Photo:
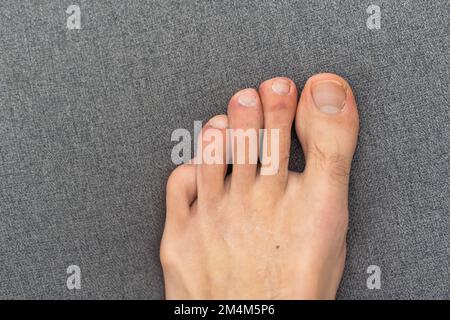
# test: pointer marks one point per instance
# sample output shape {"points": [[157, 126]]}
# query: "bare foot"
{"points": [[273, 236]]}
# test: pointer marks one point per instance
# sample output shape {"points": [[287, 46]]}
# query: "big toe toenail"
{"points": [[329, 96]]}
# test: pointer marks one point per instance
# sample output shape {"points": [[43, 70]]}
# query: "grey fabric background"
{"points": [[86, 117]]}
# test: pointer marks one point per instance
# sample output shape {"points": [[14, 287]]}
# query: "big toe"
{"points": [[327, 125]]}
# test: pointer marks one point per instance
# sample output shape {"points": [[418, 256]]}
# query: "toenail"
{"points": [[219, 123], [281, 86], [247, 98], [329, 96]]}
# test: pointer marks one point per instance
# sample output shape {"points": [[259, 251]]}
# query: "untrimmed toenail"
{"points": [[281, 86], [247, 98], [329, 96]]}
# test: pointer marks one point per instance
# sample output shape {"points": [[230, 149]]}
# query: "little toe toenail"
{"points": [[247, 98], [281, 86], [329, 96]]}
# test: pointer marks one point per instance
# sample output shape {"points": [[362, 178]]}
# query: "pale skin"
{"points": [[281, 236]]}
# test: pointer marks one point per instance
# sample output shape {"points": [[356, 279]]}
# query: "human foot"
{"points": [[276, 236]]}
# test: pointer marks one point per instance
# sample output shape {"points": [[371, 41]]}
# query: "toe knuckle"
{"points": [[339, 170], [335, 163], [167, 254], [165, 257], [176, 176]]}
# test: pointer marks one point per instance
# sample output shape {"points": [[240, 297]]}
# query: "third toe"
{"points": [[245, 121]]}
